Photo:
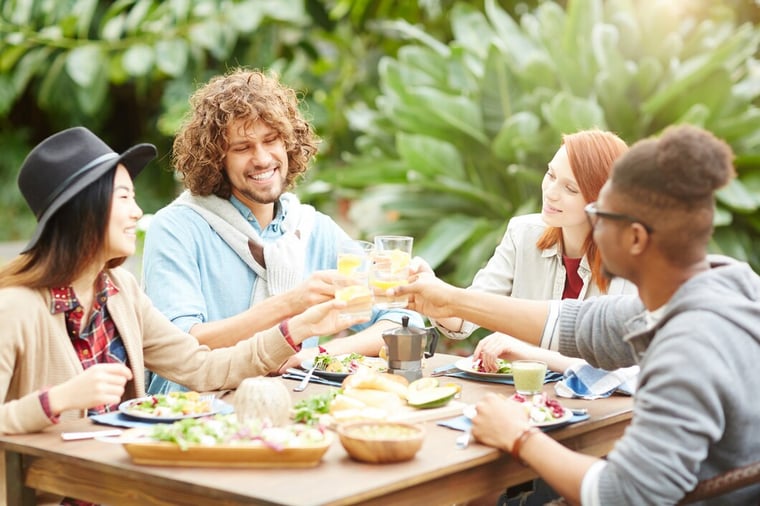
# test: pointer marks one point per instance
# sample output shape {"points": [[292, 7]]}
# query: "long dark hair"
{"points": [[73, 239]]}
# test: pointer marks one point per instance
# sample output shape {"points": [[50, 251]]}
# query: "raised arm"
{"points": [[316, 289], [523, 319]]}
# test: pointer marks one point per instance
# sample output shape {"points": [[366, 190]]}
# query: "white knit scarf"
{"points": [[284, 258]]}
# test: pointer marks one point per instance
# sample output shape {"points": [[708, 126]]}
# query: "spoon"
{"points": [[463, 440]]}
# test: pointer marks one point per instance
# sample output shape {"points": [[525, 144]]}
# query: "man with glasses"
{"points": [[593, 214], [694, 329]]}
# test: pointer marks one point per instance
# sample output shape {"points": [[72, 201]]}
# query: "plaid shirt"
{"points": [[99, 342]]}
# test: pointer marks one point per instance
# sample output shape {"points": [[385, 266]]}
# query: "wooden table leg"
{"points": [[15, 490]]}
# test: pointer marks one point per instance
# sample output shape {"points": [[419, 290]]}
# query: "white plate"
{"points": [[465, 365], [471, 412], [374, 362], [216, 407]]}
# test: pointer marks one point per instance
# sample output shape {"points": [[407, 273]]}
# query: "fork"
{"points": [[305, 381]]}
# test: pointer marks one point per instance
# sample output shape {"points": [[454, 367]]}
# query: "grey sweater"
{"points": [[696, 412]]}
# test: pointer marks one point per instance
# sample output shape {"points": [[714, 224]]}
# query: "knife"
{"points": [[75, 436], [444, 370], [295, 374]]}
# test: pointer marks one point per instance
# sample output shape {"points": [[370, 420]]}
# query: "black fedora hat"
{"points": [[64, 164]]}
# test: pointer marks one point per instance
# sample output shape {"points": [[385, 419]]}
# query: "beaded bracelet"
{"points": [[285, 331], [520, 441]]}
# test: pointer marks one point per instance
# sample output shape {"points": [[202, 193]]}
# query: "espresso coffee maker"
{"points": [[407, 346]]}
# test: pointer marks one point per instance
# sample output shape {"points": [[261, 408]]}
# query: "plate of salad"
{"points": [[475, 368], [224, 441], [172, 406], [543, 411], [337, 367]]}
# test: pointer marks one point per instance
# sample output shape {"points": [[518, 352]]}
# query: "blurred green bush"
{"points": [[438, 116]]}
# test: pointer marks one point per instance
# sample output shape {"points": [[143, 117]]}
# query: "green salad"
{"points": [[171, 405], [227, 430], [348, 363], [309, 410]]}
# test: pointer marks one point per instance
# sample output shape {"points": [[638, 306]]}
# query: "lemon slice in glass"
{"points": [[348, 263]]}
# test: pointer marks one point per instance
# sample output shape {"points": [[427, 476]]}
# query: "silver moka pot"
{"points": [[406, 348]]}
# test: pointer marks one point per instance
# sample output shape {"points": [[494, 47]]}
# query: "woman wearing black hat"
{"points": [[77, 330]]}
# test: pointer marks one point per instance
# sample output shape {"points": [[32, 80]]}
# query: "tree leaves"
{"points": [[504, 92], [84, 63]]}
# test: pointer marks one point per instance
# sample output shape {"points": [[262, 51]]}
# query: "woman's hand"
{"points": [[317, 288], [428, 295], [98, 385], [418, 265], [497, 345], [322, 319], [295, 361], [510, 348]]}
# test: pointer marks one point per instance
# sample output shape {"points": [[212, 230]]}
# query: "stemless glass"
{"points": [[528, 376], [390, 268], [354, 259]]}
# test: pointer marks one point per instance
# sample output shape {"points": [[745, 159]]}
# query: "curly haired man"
{"points": [[236, 252]]}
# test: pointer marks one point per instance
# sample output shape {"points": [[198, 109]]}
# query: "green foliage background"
{"points": [[438, 117], [461, 132]]}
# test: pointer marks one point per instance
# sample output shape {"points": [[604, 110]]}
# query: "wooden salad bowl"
{"points": [[380, 442]]}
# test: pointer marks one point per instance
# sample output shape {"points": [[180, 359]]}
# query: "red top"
{"points": [[573, 282]]}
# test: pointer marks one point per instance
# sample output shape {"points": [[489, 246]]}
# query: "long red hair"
{"points": [[591, 154]]}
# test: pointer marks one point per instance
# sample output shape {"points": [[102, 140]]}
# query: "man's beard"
{"points": [[265, 196]]}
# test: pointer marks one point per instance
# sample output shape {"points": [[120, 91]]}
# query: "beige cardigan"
{"points": [[35, 351]]}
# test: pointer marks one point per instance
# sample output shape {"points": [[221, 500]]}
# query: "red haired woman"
{"points": [[550, 255]]}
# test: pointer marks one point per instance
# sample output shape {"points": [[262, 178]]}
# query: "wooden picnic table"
{"points": [[439, 474]]}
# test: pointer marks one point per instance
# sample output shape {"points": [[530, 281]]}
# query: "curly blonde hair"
{"points": [[201, 144]]}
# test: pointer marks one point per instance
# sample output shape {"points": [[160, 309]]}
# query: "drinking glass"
{"points": [[354, 259], [528, 376], [390, 268]]}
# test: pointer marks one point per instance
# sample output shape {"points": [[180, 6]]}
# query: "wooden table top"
{"points": [[440, 473]]}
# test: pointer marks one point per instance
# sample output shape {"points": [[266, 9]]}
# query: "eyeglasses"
{"points": [[593, 214]]}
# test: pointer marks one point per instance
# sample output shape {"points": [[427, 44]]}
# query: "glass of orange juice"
{"points": [[390, 268], [354, 260]]}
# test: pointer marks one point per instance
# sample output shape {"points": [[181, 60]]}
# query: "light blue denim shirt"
{"points": [[193, 276]]}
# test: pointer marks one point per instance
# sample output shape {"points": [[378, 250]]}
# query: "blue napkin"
{"points": [[587, 382], [551, 376], [119, 419], [463, 423]]}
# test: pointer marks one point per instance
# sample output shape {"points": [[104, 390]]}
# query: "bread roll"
{"points": [[343, 402], [373, 380], [388, 401]]}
